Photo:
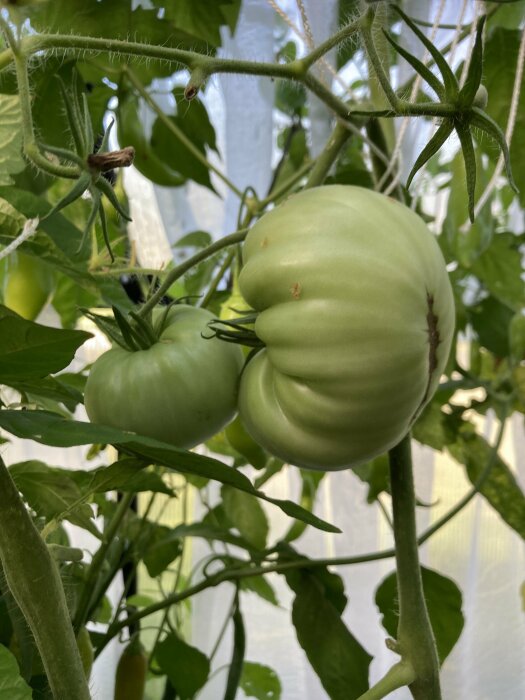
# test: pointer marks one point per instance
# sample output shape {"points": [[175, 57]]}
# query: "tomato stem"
{"points": [[415, 638], [34, 581], [328, 156], [89, 588], [399, 675], [178, 271]]}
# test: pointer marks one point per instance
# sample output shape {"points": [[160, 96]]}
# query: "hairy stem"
{"points": [[97, 562], [328, 156], [34, 581], [399, 675], [415, 638], [178, 271]]}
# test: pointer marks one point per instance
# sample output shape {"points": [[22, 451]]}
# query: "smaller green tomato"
{"points": [[131, 674], [244, 444], [181, 390], [28, 285]]}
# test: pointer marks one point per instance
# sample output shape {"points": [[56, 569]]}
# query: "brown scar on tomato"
{"points": [[433, 342], [295, 289], [264, 242]]}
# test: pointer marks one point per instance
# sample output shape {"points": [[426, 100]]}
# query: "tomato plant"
{"points": [[350, 358], [349, 212]]}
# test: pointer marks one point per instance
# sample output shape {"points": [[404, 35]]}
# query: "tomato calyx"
{"points": [[132, 331], [238, 331]]}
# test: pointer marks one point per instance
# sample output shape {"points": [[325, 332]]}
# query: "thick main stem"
{"points": [[34, 581], [415, 639]]}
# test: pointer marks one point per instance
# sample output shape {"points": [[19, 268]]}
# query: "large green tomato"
{"points": [[357, 315], [181, 390], [28, 285]]}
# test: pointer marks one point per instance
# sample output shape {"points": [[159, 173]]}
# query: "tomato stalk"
{"points": [[415, 638], [178, 271], [89, 588], [328, 156], [33, 578]]}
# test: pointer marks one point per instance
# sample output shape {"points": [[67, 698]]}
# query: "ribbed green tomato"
{"points": [[357, 315], [181, 390], [28, 284]]}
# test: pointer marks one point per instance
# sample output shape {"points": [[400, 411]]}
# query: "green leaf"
{"points": [[114, 20], [377, 475], [31, 351], [11, 160], [310, 484], [186, 667], [466, 247], [434, 427], [260, 682], [443, 599], [499, 268], [260, 586], [211, 532], [333, 652], [12, 685], [128, 475], [202, 19], [246, 515], [49, 388], [11, 220], [52, 493], [175, 154], [350, 168], [500, 59], [52, 429], [163, 548], [491, 319], [500, 488]]}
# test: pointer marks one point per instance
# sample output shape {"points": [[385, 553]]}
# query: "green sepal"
{"points": [[105, 232], [481, 120], [449, 79], [105, 138], [91, 218], [88, 126], [133, 341], [145, 326], [78, 189], [239, 333], [432, 147], [160, 323], [104, 186], [418, 66], [469, 156], [475, 70], [108, 326], [63, 153], [74, 118]]}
